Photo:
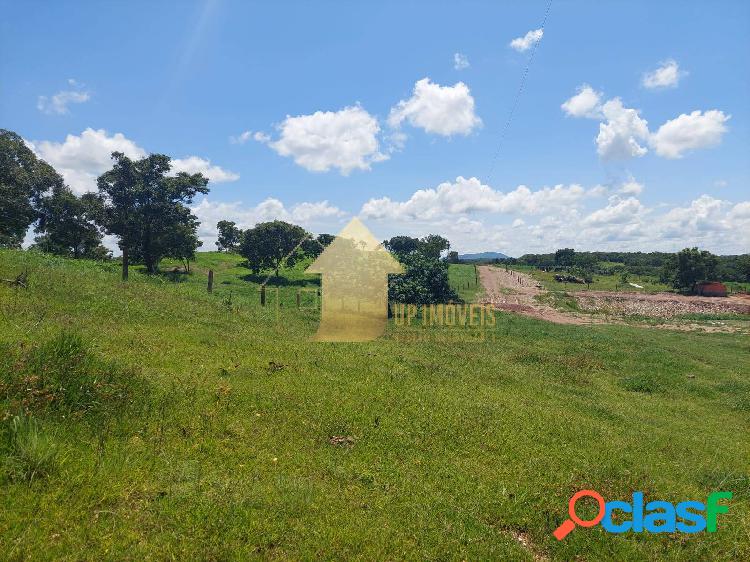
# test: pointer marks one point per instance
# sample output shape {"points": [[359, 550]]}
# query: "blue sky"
{"points": [[406, 138]]}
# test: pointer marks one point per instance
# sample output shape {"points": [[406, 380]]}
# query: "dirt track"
{"points": [[515, 292]]}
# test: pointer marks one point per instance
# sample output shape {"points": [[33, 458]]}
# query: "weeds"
{"points": [[31, 453]]}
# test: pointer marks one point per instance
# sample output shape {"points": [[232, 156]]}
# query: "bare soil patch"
{"points": [[519, 293]]}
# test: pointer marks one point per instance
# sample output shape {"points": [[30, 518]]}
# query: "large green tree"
{"points": [[23, 180], [144, 206], [689, 267], [269, 245], [66, 226], [425, 281]]}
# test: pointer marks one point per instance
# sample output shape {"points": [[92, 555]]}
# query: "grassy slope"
{"points": [[457, 446], [463, 279]]}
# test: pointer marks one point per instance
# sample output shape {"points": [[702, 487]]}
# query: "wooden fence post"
{"points": [[297, 298], [262, 295], [210, 280]]}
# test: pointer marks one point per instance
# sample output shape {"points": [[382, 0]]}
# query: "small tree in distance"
{"points": [[270, 245], [229, 236]]}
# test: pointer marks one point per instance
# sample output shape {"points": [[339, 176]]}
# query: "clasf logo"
{"points": [[654, 517]]}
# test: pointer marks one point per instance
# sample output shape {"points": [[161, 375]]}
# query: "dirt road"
{"points": [[516, 292]]}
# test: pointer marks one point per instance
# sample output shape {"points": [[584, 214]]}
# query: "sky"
{"points": [[505, 126]]}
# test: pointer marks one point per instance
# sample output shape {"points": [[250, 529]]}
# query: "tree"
{"points": [[313, 247], [565, 257], [23, 180], [433, 245], [229, 236], [182, 242], [66, 226], [269, 245], [143, 206], [688, 267], [425, 281], [401, 245]]}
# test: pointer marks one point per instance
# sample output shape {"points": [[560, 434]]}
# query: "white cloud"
{"points": [[442, 110], [586, 103], [471, 196], [59, 102], [524, 43], [460, 61], [666, 76], [82, 158], [345, 139], [689, 132], [197, 165], [321, 216], [620, 134], [617, 211], [242, 138], [631, 187], [262, 137]]}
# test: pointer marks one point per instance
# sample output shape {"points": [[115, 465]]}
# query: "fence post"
{"points": [[210, 280], [297, 298], [262, 295]]}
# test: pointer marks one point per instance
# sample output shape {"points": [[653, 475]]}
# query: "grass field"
{"points": [[462, 277], [599, 283], [168, 423]]}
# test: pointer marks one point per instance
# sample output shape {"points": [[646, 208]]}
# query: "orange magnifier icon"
{"points": [[569, 524]]}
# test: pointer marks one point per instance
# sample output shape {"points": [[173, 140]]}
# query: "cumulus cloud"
{"points": [[198, 165], [689, 132], [586, 103], [620, 134], [666, 76], [472, 196], [320, 214], [442, 110], [524, 43], [631, 187], [460, 61], [618, 211], [82, 158], [59, 102], [346, 139]]}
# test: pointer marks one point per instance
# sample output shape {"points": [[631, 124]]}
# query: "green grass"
{"points": [[453, 450], [462, 278], [599, 283]]}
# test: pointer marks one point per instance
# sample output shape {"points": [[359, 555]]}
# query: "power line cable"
{"points": [[521, 87]]}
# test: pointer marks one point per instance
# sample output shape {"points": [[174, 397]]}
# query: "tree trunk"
{"points": [[124, 263]]}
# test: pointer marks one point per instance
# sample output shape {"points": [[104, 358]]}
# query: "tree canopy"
{"points": [[146, 208], [229, 236], [269, 245], [66, 225], [689, 267], [24, 178]]}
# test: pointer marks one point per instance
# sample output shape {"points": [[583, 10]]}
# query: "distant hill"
{"points": [[483, 256]]}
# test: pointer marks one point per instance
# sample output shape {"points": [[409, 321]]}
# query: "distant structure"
{"points": [[711, 289]]}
